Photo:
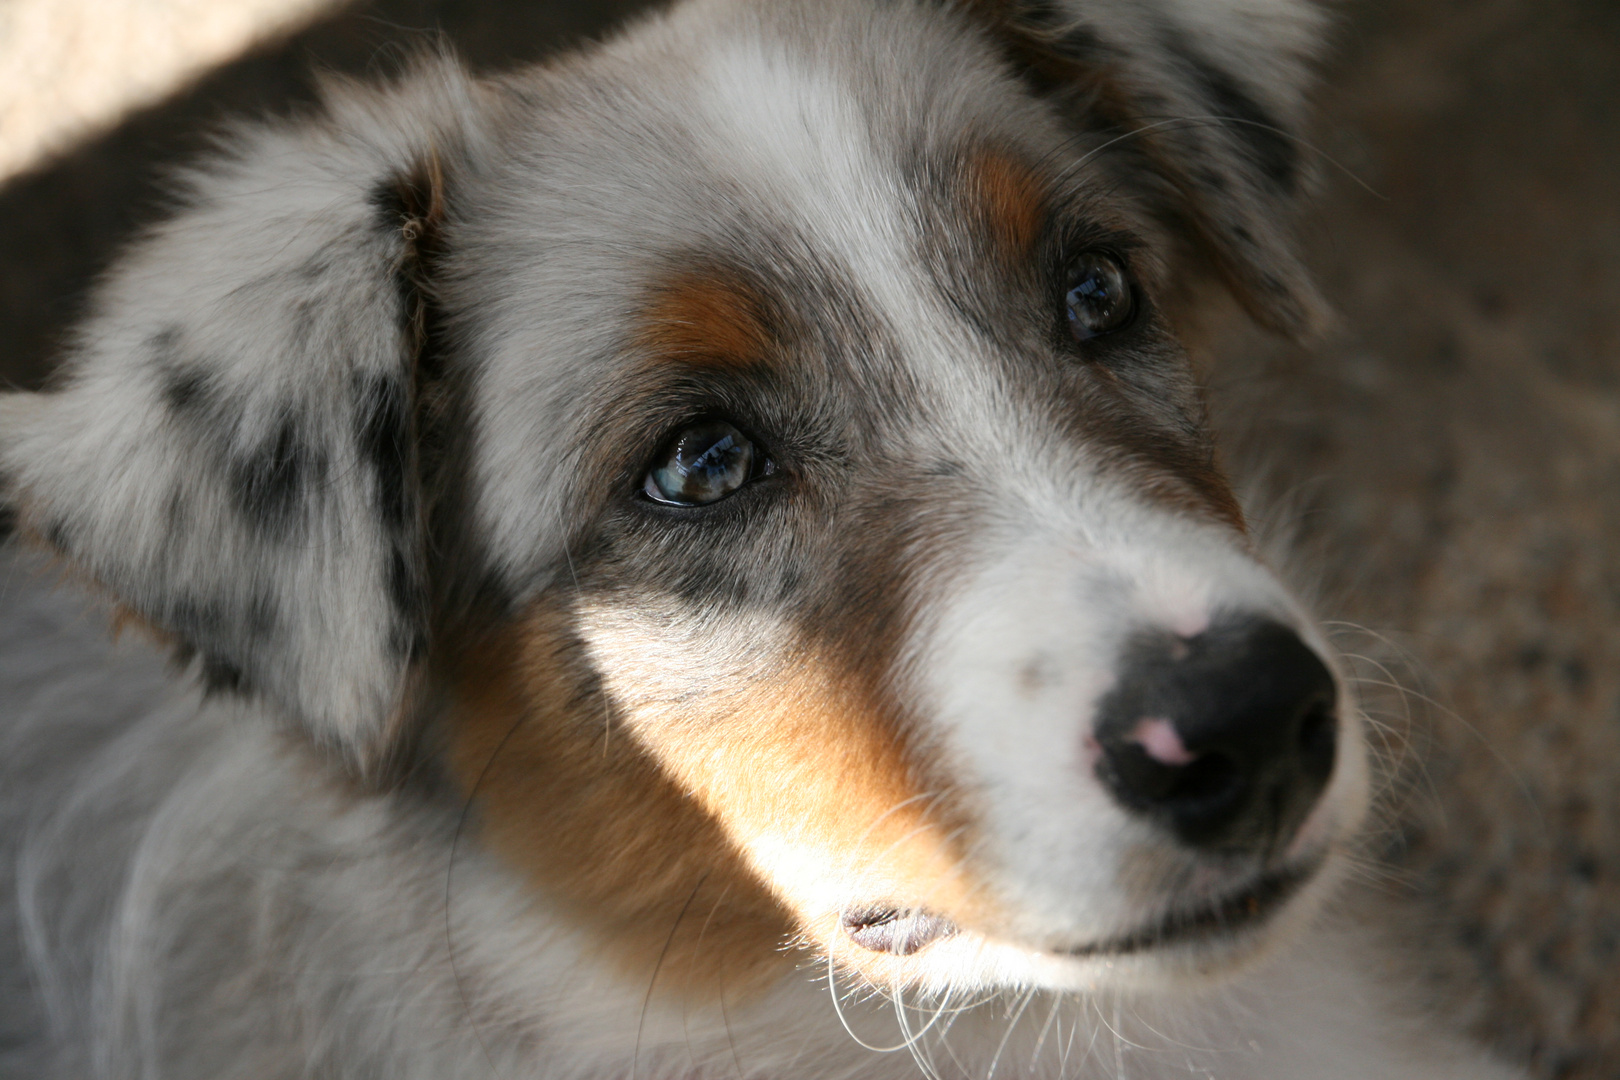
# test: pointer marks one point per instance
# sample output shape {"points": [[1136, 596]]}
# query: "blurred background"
{"points": [[1446, 463]]}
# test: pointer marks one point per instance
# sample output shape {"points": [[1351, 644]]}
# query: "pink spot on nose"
{"points": [[1189, 624], [1159, 739]]}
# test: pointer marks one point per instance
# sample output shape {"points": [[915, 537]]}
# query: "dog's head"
{"points": [[755, 459]]}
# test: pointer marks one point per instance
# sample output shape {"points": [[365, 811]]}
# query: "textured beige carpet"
{"points": [[1449, 460], [1452, 464]]}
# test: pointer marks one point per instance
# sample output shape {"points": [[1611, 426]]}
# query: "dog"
{"points": [[701, 558]]}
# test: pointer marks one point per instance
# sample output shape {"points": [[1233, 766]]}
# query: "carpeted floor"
{"points": [[1447, 461], [1450, 460]]}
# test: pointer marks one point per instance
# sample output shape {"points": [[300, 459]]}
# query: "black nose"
{"points": [[1226, 738]]}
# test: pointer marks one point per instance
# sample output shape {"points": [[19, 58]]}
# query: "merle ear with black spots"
{"points": [[233, 453], [1212, 95]]}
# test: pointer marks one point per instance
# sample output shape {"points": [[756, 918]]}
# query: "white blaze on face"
{"points": [[1012, 657]]}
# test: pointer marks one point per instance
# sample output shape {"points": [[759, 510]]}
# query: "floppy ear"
{"points": [[233, 452], [1213, 93]]}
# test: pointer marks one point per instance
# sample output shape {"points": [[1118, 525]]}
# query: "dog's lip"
{"points": [[893, 930], [905, 931], [1242, 908]]}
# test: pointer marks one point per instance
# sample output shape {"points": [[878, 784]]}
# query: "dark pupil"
{"points": [[1099, 300], [708, 462]]}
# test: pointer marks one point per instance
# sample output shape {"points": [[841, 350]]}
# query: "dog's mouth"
{"points": [[905, 931], [1241, 910], [899, 932]]}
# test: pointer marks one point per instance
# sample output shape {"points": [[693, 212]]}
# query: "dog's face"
{"points": [[817, 537]]}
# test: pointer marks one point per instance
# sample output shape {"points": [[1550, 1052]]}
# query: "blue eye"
{"points": [[704, 464], [1099, 295]]}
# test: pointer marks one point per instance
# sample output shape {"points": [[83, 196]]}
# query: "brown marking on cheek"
{"points": [[833, 801], [1178, 480], [1217, 491], [570, 799], [1188, 483], [706, 317], [1193, 481], [801, 765], [700, 837], [1010, 197]]}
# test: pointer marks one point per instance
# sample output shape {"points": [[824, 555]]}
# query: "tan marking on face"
{"points": [[705, 317], [761, 811], [833, 802], [1011, 197], [819, 786], [1199, 491], [592, 819], [1101, 81]]}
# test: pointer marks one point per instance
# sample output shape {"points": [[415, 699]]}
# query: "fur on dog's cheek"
{"points": [[700, 825], [584, 811], [817, 779]]}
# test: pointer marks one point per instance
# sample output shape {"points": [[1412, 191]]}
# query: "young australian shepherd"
{"points": [[701, 559]]}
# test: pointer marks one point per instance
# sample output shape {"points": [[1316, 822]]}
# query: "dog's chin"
{"points": [[1188, 943]]}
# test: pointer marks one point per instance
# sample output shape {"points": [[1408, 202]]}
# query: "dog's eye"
{"points": [[704, 464], [1099, 295]]}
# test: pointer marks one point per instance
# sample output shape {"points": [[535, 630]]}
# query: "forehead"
{"points": [[827, 142], [829, 133], [742, 174]]}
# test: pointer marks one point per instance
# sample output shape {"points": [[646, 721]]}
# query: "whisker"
{"points": [[1040, 1040], [838, 1007], [691, 972], [1451, 714], [1215, 120], [646, 1001], [1018, 1014], [449, 893], [914, 1039], [929, 796]]}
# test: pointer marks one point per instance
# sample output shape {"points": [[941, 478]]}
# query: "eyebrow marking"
{"points": [[1010, 196], [706, 317]]}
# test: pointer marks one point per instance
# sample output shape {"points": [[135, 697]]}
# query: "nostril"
{"points": [[1142, 781], [1213, 780], [1318, 741], [1204, 782]]}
